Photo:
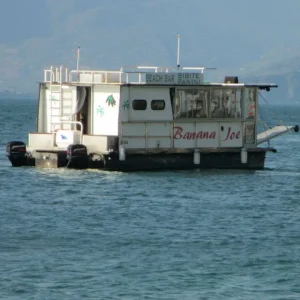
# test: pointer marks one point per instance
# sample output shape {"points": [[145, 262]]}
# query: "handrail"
{"points": [[56, 74], [104, 73], [127, 74], [133, 68], [70, 122]]}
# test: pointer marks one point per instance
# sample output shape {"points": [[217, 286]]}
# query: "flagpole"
{"points": [[78, 59]]}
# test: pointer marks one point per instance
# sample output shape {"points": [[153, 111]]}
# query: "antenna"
{"points": [[178, 50], [78, 59]]}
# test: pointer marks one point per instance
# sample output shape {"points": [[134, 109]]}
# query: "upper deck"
{"points": [[126, 75], [140, 75]]}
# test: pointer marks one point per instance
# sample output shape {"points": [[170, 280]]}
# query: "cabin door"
{"points": [[83, 105]]}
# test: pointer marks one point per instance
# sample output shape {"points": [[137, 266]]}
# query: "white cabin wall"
{"points": [[207, 134], [149, 94], [124, 104], [52, 112], [105, 115], [148, 129], [90, 122], [42, 109], [145, 129]]}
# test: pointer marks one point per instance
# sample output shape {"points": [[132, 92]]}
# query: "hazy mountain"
{"points": [[252, 38]]}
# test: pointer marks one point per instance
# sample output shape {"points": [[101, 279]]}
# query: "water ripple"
{"points": [[209, 234]]}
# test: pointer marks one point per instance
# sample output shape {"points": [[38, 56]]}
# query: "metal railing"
{"points": [[127, 74], [56, 75]]}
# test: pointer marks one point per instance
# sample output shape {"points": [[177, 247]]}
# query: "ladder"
{"points": [[61, 103]]}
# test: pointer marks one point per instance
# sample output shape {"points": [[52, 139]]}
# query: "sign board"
{"points": [[180, 78]]}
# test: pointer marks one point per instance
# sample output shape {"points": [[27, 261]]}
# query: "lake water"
{"points": [[68, 234]]}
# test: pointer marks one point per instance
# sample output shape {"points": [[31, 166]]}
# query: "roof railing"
{"points": [[127, 74]]}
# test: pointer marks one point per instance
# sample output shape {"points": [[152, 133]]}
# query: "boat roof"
{"points": [[262, 86], [145, 76]]}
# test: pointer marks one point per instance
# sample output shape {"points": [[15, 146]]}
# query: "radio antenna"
{"points": [[77, 61], [178, 50]]}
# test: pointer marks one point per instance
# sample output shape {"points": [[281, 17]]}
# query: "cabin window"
{"points": [[249, 100], [216, 106], [192, 103], [139, 104], [226, 103], [158, 104]]}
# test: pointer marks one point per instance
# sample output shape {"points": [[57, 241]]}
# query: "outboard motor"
{"points": [[16, 153], [77, 156]]}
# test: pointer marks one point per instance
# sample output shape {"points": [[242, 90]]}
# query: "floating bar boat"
{"points": [[145, 118]]}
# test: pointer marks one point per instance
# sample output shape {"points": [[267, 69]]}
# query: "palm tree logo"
{"points": [[100, 111], [110, 100], [125, 104]]}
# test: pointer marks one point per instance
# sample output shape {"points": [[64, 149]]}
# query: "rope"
{"points": [[266, 126], [102, 157], [275, 115]]}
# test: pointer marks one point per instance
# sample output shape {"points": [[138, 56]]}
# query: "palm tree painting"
{"points": [[100, 111], [125, 104], [110, 100]]}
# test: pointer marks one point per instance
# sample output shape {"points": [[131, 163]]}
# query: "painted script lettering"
{"points": [[193, 135], [232, 135]]}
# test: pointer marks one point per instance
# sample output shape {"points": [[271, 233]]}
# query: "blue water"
{"points": [[68, 234]]}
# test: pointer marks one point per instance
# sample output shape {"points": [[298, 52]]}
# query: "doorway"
{"points": [[83, 106]]}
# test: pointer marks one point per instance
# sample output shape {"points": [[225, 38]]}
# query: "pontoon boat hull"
{"points": [[146, 162]]}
